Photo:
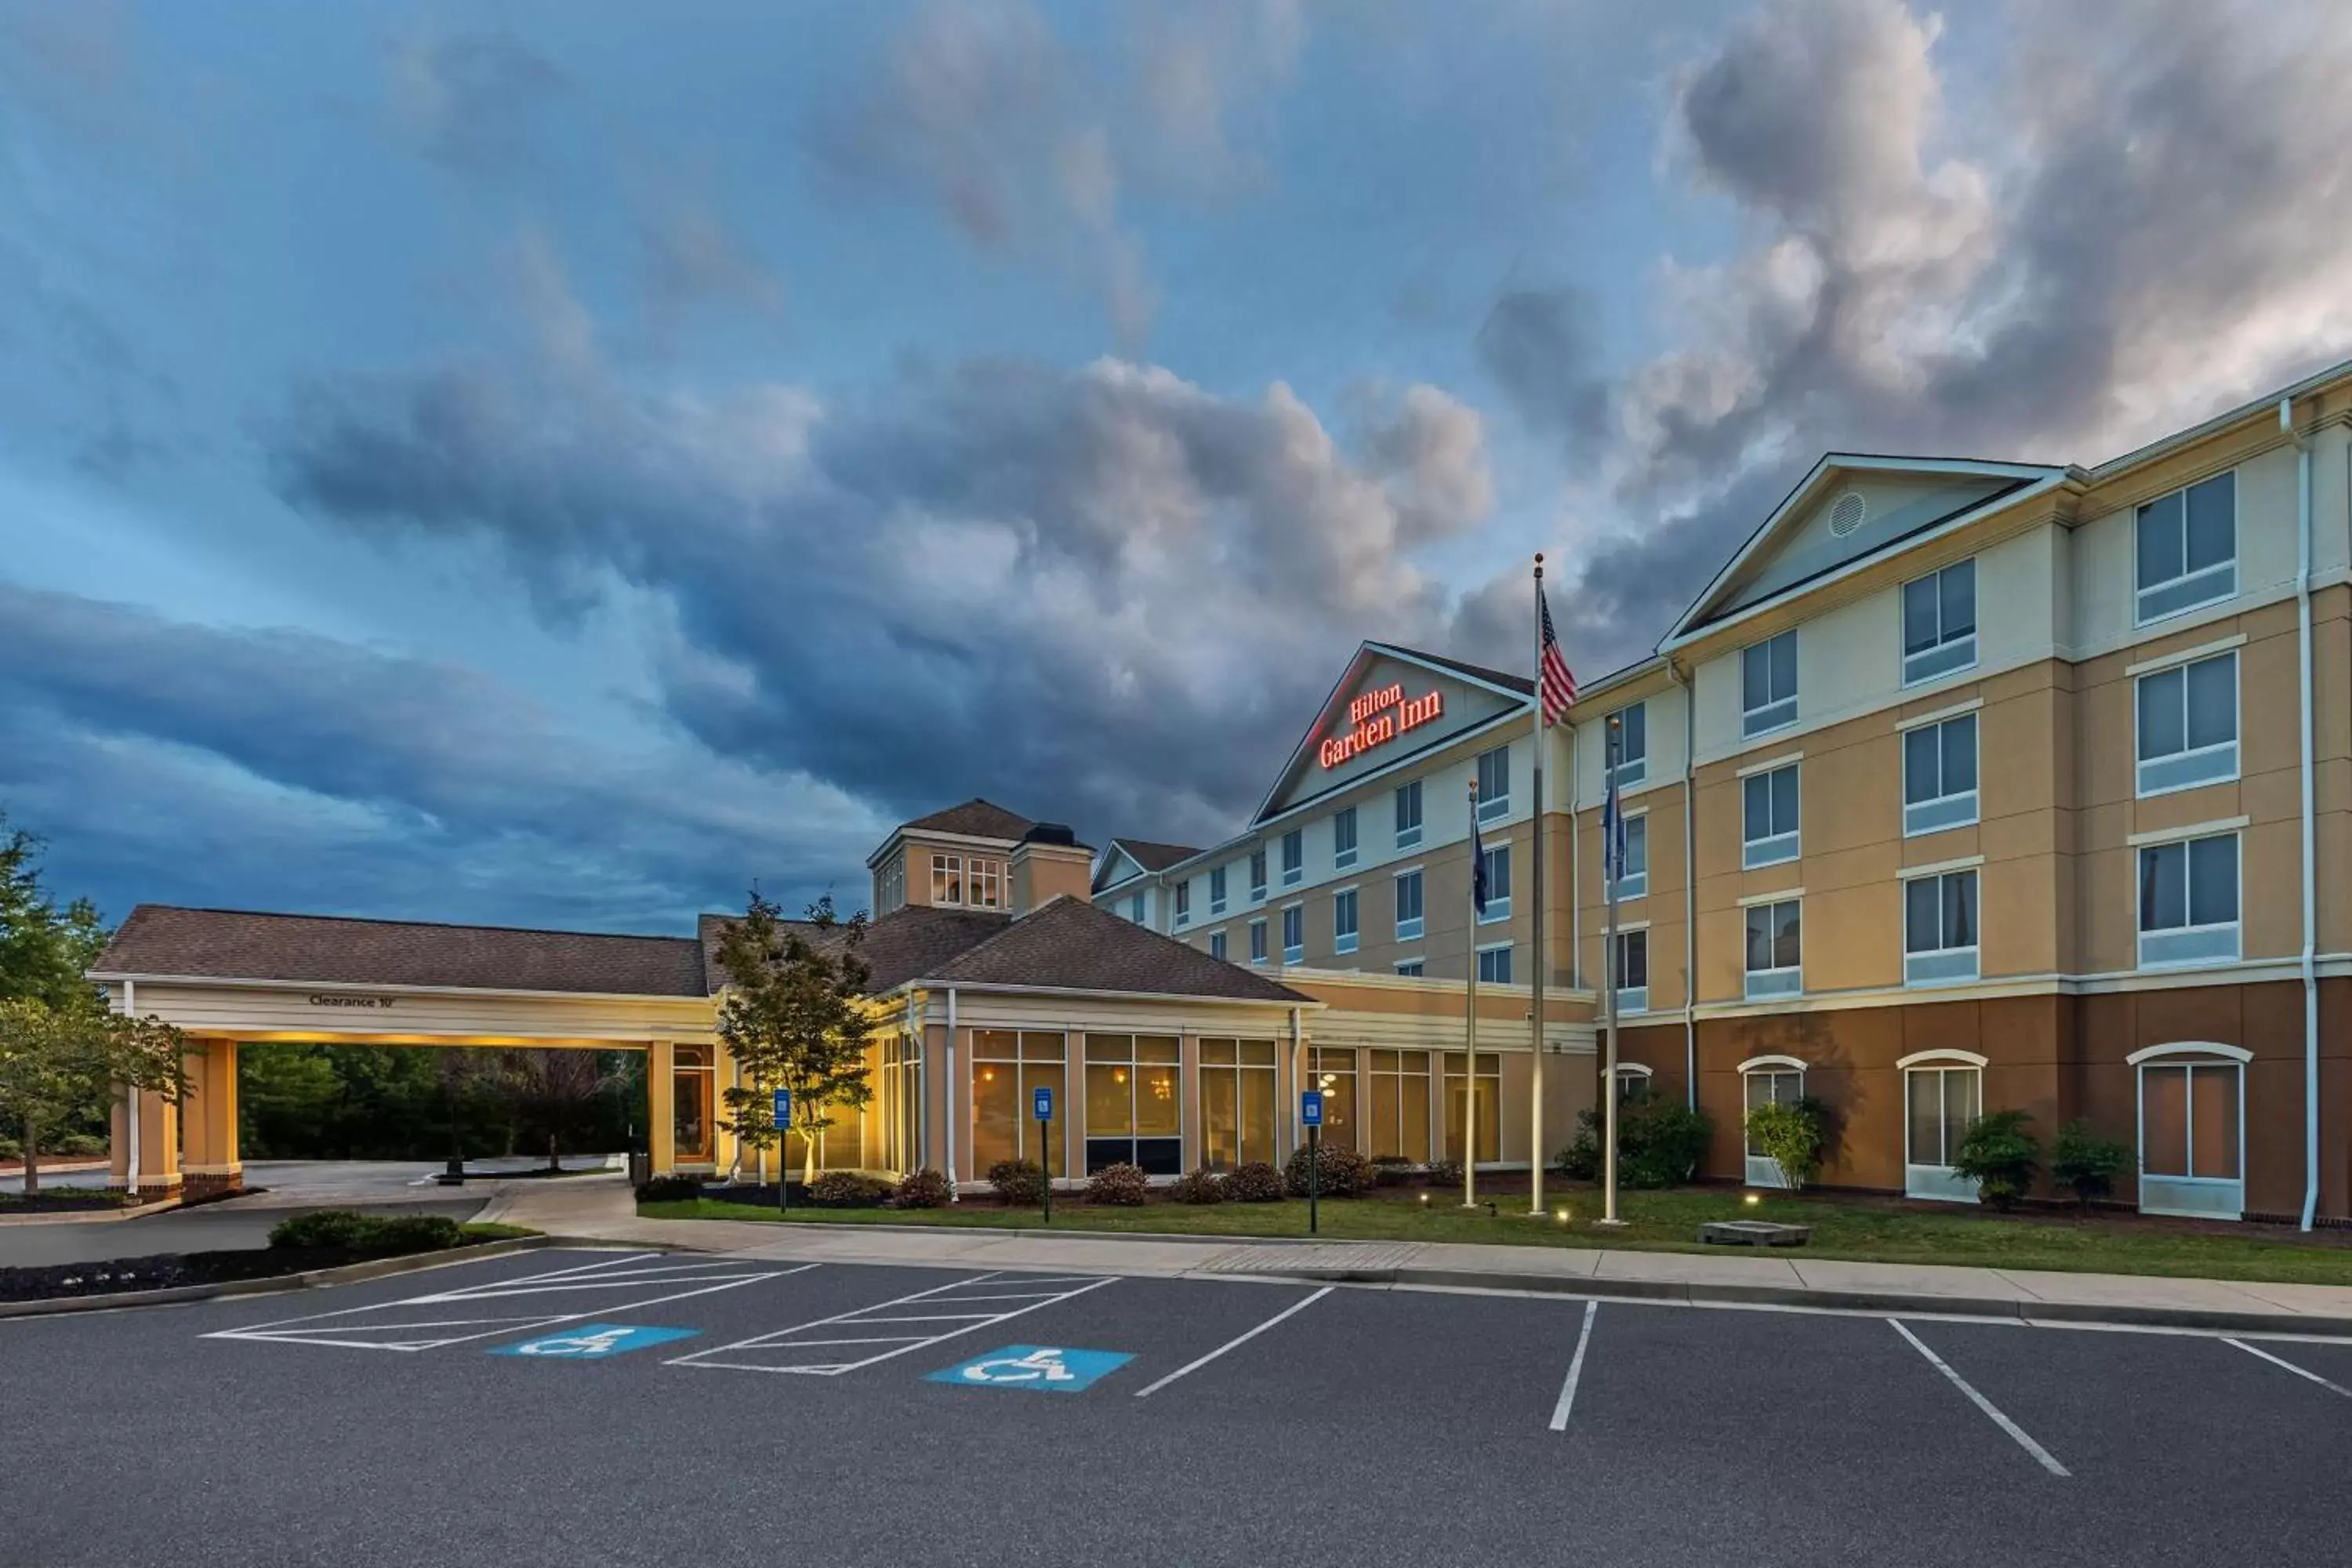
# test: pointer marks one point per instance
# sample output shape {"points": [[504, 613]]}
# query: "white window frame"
{"points": [[1940, 965], [1184, 916], [2192, 767], [1408, 834], [1258, 934], [1779, 980], [2193, 1196], [2189, 946], [1957, 808], [1777, 712], [1630, 769], [1949, 654], [1486, 949], [1409, 930], [1294, 857], [1498, 910], [1217, 945], [1294, 951], [1411, 968], [1920, 1179], [1257, 875], [1631, 999], [1349, 901], [1630, 1073], [2223, 574], [1135, 908], [1497, 806], [1762, 1170], [946, 868], [1343, 856], [1773, 848], [1632, 883], [1217, 881]]}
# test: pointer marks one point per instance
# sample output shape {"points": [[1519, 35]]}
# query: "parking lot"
{"points": [[576, 1406]]}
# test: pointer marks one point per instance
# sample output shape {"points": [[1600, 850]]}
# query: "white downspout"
{"points": [[130, 1097], [1297, 1079], [2310, 847], [1690, 893], [955, 1192]]}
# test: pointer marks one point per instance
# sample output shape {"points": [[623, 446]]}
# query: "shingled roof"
{"points": [[1069, 945], [1154, 857], [905, 944], [1503, 678], [238, 945], [975, 819]]}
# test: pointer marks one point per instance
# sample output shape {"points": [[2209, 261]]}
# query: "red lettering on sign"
{"points": [[1379, 717]]}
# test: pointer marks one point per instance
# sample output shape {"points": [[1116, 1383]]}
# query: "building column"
{"points": [[159, 1142], [726, 1149], [661, 1107], [208, 1116]]}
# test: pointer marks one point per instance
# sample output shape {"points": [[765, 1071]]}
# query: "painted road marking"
{"points": [[412, 1324], [1039, 1369], [810, 1348], [594, 1341], [1981, 1403], [1575, 1369], [1295, 1307], [2299, 1372]]}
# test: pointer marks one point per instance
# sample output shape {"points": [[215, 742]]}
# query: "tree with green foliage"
{"points": [[795, 1015], [45, 952], [57, 1063], [1791, 1135], [555, 1089], [2000, 1155]]}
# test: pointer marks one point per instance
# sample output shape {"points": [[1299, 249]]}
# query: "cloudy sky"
{"points": [[559, 463]]}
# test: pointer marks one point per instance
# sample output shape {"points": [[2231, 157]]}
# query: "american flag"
{"points": [[1558, 685]]}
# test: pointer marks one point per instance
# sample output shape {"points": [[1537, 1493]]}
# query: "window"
{"points": [[1007, 1068], [1939, 928], [1183, 904], [1633, 1083], [1334, 1072], [1216, 945], [2191, 1132], [1257, 941], [1939, 622], [1494, 965], [1767, 1081], [1633, 745], [1217, 891], [1408, 900], [1494, 785], [1768, 685], [1940, 1103], [2189, 725], [984, 884], [693, 1084], [1408, 967], [1343, 920], [1769, 803], [900, 1103], [1408, 814], [1343, 838], [1257, 874], [1237, 1101], [1396, 1104], [1498, 884], [1294, 857], [1776, 949], [1939, 775], [2188, 547], [1487, 1114], [947, 878], [1632, 972], [2188, 900], [1633, 876], [1135, 1115], [1294, 934], [1135, 908]]}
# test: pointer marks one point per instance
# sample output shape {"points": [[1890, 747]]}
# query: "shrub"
{"points": [[1255, 1182], [1391, 1170], [2000, 1157], [924, 1189], [1200, 1186], [1790, 1134], [673, 1188], [1442, 1172], [78, 1146], [1018, 1182], [848, 1190], [1125, 1186], [1344, 1172], [410, 1233], [2087, 1164], [1660, 1144], [324, 1228], [1581, 1161]]}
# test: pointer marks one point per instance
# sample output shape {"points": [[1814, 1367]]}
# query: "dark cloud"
{"points": [[1542, 348], [465, 99], [175, 761]]}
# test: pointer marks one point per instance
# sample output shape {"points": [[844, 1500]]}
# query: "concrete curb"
{"points": [[344, 1274], [93, 1216]]}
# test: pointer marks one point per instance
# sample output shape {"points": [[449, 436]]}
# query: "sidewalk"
{"points": [[600, 1210]]}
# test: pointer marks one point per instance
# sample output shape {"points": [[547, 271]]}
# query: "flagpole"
{"points": [[1470, 1024], [1540, 956], [1612, 868]]}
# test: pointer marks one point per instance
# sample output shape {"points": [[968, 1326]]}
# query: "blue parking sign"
{"points": [[1310, 1108], [783, 1108], [1045, 1105]]}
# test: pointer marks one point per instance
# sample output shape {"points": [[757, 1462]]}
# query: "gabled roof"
{"points": [[161, 940], [903, 945], [1501, 679], [975, 819], [1141, 857], [1069, 945]]}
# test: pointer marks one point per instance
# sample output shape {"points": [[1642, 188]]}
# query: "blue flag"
{"points": [[1477, 863]]}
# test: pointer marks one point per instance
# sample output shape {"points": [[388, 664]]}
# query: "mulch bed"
{"points": [[167, 1270], [64, 1200]]}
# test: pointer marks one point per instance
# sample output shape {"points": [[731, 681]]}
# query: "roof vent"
{"points": [[1049, 833], [1847, 513]]}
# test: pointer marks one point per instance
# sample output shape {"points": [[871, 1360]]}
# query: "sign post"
{"points": [[1310, 1116], [1044, 1106], [783, 1119]]}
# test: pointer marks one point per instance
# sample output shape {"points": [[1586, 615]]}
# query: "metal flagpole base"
{"points": [[1613, 1224]]}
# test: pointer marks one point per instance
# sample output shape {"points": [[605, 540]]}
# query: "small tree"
{"points": [[2000, 1157], [1789, 1134], [794, 1016], [2087, 1163], [57, 1063], [555, 1088]]}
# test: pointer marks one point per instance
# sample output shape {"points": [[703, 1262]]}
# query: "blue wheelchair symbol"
{"points": [[594, 1341], [1040, 1369]]}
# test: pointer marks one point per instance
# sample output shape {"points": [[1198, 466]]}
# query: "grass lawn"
{"points": [[1868, 1229]]}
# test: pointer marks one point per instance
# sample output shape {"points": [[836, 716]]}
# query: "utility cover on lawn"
{"points": [[1754, 1233]]}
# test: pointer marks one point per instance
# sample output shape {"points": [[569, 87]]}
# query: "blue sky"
{"points": [[560, 463]]}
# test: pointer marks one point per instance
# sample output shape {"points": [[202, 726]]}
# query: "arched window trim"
{"points": [[1944, 1057], [1633, 1069], [2208, 1048], [1773, 1064]]}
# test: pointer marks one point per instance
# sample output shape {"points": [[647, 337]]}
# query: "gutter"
{"points": [[1690, 893]]}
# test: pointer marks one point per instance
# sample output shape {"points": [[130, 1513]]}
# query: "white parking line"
{"points": [[1296, 1307], [784, 1342], [2299, 1372], [1981, 1403], [1575, 1369]]}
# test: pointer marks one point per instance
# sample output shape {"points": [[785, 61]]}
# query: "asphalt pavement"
{"points": [[734, 1409]]}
